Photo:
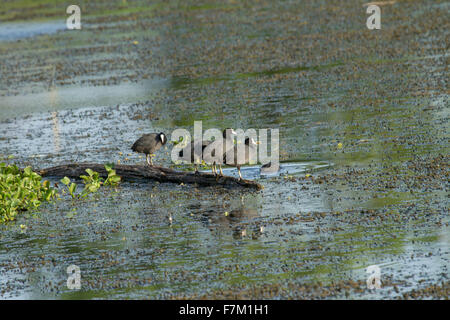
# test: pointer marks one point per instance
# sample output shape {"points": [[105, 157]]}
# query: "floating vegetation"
{"points": [[21, 190], [92, 182]]}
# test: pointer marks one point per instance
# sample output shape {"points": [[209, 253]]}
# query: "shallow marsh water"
{"points": [[381, 199]]}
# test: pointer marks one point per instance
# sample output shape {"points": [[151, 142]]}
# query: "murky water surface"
{"points": [[13, 31], [363, 144]]}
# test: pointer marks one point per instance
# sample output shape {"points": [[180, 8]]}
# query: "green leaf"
{"points": [[48, 195], [72, 189], [65, 181], [93, 188], [27, 171], [115, 179], [46, 184]]}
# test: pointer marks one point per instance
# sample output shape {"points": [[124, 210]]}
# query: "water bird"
{"points": [[250, 146], [149, 144], [227, 135], [270, 168], [227, 144]]}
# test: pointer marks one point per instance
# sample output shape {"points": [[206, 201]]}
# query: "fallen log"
{"points": [[139, 172]]}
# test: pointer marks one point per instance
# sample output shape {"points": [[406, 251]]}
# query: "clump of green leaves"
{"points": [[175, 142], [72, 186], [92, 182], [113, 179], [21, 190]]}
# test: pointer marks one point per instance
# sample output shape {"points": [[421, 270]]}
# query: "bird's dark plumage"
{"points": [[149, 143], [205, 143]]}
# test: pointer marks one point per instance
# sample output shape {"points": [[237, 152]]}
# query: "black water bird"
{"points": [[227, 135], [149, 144], [270, 168]]}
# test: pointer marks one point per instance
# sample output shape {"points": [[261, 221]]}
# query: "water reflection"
{"points": [[56, 132], [54, 103], [73, 97], [240, 218], [12, 31]]}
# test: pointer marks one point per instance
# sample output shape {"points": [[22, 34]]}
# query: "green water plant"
{"points": [[113, 179], [175, 142], [21, 190], [92, 182], [72, 187]]}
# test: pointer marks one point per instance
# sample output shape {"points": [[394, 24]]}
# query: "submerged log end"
{"points": [[161, 174]]}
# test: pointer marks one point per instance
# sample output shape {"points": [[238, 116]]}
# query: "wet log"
{"points": [[139, 172]]}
